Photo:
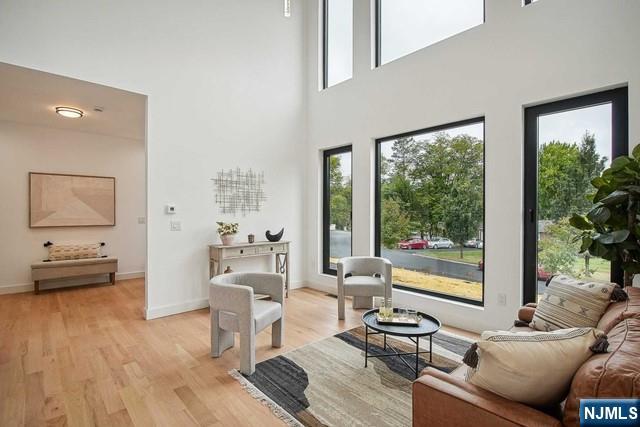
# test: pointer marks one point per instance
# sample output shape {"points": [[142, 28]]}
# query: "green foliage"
{"points": [[339, 195], [437, 185], [558, 248], [565, 172], [611, 228], [395, 223]]}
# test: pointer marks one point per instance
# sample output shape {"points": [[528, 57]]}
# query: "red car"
{"points": [[413, 244], [543, 275]]}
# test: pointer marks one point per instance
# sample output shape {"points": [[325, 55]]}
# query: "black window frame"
{"points": [[378, 31], [618, 98], [326, 206], [378, 201]]}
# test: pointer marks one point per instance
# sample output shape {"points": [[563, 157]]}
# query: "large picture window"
{"points": [[337, 42], [336, 223], [405, 26], [567, 144], [430, 209]]}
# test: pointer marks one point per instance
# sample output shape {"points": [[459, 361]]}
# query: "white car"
{"points": [[474, 243], [440, 243]]}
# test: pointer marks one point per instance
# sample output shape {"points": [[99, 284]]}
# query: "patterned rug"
{"points": [[326, 383]]}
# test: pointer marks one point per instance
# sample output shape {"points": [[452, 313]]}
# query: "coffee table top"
{"points": [[429, 325]]}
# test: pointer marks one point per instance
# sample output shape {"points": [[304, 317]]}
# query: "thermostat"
{"points": [[170, 209]]}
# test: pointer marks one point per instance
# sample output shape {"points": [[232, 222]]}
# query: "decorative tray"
{"points": [[397, 321]]}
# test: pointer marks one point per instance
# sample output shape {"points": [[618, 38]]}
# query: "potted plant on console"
{"points": [[227, 231], [611, 229]]}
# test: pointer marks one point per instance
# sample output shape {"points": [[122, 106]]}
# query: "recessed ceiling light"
{"points": [[72, 113]]}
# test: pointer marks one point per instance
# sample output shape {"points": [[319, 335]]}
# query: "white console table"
{"points": [[218, 254]]}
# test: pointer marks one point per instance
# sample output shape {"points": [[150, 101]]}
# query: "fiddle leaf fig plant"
{"points": [[611, 229]]}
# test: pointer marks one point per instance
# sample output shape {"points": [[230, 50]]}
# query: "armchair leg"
{"points": [[247, 347], [220, 338], [277, 333], [362, 302], [340, 307]]}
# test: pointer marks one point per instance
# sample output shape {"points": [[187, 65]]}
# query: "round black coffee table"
{"points": [[428, 326]]}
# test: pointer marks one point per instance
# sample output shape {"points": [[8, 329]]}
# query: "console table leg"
{"points": [[36, 287], [286, 281]]}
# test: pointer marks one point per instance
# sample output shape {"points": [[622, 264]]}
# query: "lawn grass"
{"points": [[470, 255], [444, 285]]}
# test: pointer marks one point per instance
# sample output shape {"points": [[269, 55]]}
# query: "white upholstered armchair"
{"points": [[368, 277], [234, 309]]}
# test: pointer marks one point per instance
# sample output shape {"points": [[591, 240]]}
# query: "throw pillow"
{"points": [[535, 368], [571, 303], [77, 251]]}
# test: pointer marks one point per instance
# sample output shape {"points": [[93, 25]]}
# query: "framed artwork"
{"points": [[60, 200]]}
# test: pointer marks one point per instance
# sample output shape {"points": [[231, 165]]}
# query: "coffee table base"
{"points": [[395, 352]]}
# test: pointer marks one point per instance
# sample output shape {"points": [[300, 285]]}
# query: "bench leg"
{"points": [[112, 278], [36, 287]]}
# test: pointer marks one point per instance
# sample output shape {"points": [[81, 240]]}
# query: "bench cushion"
{"points": [[73, 262]]}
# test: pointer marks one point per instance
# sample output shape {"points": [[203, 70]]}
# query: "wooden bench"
{"points": [[45, 270]]}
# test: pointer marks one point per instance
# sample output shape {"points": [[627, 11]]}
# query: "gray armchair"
{"points": [[368, 277], [234, 309]]}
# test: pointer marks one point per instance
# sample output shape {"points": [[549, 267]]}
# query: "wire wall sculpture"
{"points": [[239, 192]]}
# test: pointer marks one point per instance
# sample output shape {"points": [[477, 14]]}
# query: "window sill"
{"points": [[440, 299]]}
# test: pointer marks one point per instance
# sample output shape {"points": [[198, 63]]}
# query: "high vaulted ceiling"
{"points": [[28, 96]]}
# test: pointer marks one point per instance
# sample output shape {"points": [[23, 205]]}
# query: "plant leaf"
{"points": [[599, 214], [598, 182], [613, 237], [617, 196], [619, 163], [580, 222], [586, 242], [636, 152]]}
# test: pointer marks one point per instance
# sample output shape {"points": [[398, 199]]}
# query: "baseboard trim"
{"points": [[171, 309], [28, 287]]}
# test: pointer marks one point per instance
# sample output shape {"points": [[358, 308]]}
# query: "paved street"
{"points": [[341, 244]]}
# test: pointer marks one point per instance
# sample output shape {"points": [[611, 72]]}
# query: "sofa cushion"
{"points": [[571, 303], [615, 374], [618, 311], [535, 368], [364, 285]]}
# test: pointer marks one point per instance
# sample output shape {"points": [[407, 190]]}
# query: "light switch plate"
{"points": [[502, 299], [175, 226], [141, 220]]}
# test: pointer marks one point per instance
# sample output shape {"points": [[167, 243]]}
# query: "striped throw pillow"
{"points": [[535, 368], [571, 303], [78, 251]]}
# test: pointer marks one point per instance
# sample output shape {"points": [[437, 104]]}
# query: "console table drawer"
{"points": [[266, 249], [238, 252]]}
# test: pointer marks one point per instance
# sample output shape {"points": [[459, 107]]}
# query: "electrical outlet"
{"points": [[502, 299], [175, 226]]}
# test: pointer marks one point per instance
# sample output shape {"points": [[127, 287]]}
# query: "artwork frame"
{"points": [[60, 192]]}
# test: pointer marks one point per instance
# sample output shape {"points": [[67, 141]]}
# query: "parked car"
{"points": [[413, 244], [543, 275], [474, 243], [440, 243]]}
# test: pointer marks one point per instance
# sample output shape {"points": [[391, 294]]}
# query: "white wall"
{"points": [[224, 81], [27, 148], [520, 56]]}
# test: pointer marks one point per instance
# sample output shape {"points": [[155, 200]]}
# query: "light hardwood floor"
{"points": [[85, 356]]}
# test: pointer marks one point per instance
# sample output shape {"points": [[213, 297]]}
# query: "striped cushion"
{"points": [[571, 303], [79, 251], [535, 368]]}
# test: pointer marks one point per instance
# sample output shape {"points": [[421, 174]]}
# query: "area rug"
{"points": [[326, 384]]}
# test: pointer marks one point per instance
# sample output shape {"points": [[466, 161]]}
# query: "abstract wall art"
{"points": [[59, 200], [239, 192]]}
